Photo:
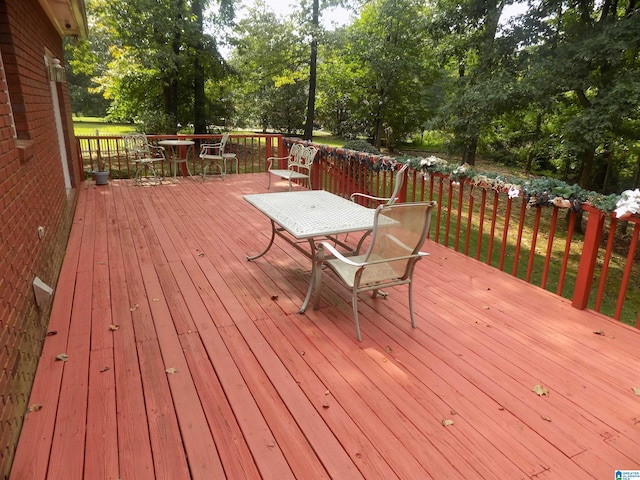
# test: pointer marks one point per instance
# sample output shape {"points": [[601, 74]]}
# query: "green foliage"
{"points": [[361, 146], [272, 76], [377, 74]]}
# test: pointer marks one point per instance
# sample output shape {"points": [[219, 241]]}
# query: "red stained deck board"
{"points": [[322, 441], [268, 457], [405, 388], [134, 444], [299, 453], [234, 453], [362, 451], [198, 442], [138, 301], [169, 458], [168, 265], [67, 451], [32, 455], [398, 442], [101, 445]]}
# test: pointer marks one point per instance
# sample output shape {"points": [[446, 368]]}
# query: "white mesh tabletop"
{"points": [[313, 213]]}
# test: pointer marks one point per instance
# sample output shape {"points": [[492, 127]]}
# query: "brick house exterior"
{"points": [[39, 174]]}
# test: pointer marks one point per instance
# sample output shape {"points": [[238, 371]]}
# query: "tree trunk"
{"points": [[199, 99], [469, 153], [587, 168], [311, 104]]}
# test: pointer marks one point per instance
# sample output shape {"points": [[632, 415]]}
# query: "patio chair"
{"points": [[213, 155], [399, 232], [399, 181], [145, 156], [299, 163]]}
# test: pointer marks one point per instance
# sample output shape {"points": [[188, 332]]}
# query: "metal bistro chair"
{"points": [[145, 156], [399, 232], [299, 163], [213, 155]]}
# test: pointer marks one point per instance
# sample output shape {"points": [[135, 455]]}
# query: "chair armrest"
{"points": [[322, 246], [270, 161], [160, 151], [370, 197], [209, 148]]}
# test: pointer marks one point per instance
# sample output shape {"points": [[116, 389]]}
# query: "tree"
{"points": [[587, 54], [158, 59], [383, 70], [269, 57]]}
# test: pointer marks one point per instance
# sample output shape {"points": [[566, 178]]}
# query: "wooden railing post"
{"points": [[315, 171], [592, 238]]}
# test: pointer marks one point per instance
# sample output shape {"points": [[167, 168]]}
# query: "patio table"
{"points": [[175, 157], [308, 215]]}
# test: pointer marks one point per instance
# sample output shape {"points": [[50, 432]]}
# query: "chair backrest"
{"points": [[399, 232], [223, 142], [301, 156], [399, 181], [295, 153], [137, 145]]}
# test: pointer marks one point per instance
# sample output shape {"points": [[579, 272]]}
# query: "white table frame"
{"points": [[174, 158], [307, 215]]}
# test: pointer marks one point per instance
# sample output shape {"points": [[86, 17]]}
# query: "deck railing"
{"points": [[584, 255]]}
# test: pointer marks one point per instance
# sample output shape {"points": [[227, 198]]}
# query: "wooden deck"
{"points": [[187, 361]]}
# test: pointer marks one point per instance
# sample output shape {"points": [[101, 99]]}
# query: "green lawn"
{"points": [[97, 126]]}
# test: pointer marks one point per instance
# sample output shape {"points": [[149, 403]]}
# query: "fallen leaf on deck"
{"points": [[35, 407], [486, 307], [599, 332], [274, 297], [447, 422], [201, 254], [134, 308], [171, 370], [325, 404], [51, 333], [63, 357], [327, 392], [636, 390], [105, 369], [545, 418], [388, 349], [113, 327], [540, 390], [156, 299]]}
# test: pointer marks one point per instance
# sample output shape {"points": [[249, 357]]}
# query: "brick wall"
{"points": [[32, 194]]}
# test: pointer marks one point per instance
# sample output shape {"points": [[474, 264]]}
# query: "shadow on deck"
{"points": [[187, 361]]}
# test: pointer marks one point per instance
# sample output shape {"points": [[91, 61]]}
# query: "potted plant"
{"points": [[101, 175]]}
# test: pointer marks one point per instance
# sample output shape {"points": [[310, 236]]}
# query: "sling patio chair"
{"points": [[399, 233], [397, 185]]}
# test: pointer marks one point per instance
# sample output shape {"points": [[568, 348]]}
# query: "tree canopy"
{"points": [[554, 89]]}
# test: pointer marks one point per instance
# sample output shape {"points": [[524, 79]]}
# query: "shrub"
{"points": [[361, 146]]}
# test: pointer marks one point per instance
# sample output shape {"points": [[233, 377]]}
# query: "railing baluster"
{"points": [[534, 241], [547, 259], [627, 271]]}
